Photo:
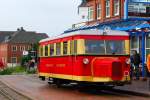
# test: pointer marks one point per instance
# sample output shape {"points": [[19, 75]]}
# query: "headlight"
{"points": [[86, 61], [128, 61]]}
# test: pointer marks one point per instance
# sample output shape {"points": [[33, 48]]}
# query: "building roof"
{"points": [[5, 34], [122, 25], [21, 36], [88, 32]]}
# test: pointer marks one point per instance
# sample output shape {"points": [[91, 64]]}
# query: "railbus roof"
{"points": [[88, 32]]}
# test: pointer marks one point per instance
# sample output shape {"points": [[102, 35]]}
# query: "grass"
{"points": [[16, 70]]}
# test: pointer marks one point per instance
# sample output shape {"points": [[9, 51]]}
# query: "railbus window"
{"points": [[71, 47], [75, 47], [46, 50], [94, 47], [115, 47], [65, 45], [41, 51], [58, 48], [51, 49]]}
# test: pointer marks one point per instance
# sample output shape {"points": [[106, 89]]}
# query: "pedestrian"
{"points": [[148, 63], [31, 64], [135, 60]]}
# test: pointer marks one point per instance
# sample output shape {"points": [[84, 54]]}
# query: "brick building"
{"points": [[132, 16], [14, 43], [91, 11]]}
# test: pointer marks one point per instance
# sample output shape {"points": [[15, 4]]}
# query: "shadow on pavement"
{"points": [[101, 91]]}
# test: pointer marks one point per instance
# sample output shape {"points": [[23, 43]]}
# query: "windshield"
{"points": [[115, 47], [105, 46], [94, 46]]}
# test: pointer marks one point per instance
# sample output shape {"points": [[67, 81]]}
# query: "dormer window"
{"points": [[107, 8], [116, 7]]}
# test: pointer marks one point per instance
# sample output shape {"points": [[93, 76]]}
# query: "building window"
{"points": [[29, 47], [134, 42], [14, 48], [116, 7], [99, 10], [13, 59], [107, 8], [22, 48], [90, 13]]}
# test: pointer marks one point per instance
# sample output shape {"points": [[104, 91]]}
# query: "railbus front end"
{"points": [[86, 57]]}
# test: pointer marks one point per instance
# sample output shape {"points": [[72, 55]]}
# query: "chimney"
{"points": [[22, 29], [18, 29]]}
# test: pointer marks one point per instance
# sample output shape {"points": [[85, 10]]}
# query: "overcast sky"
{"points": [[48, 16]]}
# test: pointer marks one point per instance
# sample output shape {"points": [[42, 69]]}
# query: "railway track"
{"points": [[7, 93]]}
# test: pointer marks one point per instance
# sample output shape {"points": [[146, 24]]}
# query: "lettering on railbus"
{"points": [[49, 65], [60, 65]]}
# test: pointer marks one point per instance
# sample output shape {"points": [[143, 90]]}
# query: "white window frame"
{"points": [[90, 13], [116, 7], [12, 59], [29, 47], [22, 48], [107, 8], [99, 11], [14, 47]]}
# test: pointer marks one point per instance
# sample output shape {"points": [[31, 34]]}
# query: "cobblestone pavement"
{"points": [[32, 87]]}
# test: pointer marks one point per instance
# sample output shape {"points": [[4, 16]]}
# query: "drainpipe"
{"points": [[125, 9]]}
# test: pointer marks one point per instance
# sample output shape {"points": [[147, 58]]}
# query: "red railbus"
{"points": [[86, 56]]}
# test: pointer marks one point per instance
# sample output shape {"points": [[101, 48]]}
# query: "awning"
{"points": [[121, 25]]}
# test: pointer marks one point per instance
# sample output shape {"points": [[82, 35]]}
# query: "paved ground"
{"points": [[7, 93], [37, 90], [138, 85]]}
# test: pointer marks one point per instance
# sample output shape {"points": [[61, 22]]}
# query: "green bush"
{"points": [[12, 70], [7, 71], [17, 70]]}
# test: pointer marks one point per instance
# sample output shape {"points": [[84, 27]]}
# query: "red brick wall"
{"points": [[6, 52], [17, 53], [103, 18], [3, 52]]}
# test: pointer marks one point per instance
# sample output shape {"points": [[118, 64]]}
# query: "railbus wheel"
{"points": [[58, 82]]}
